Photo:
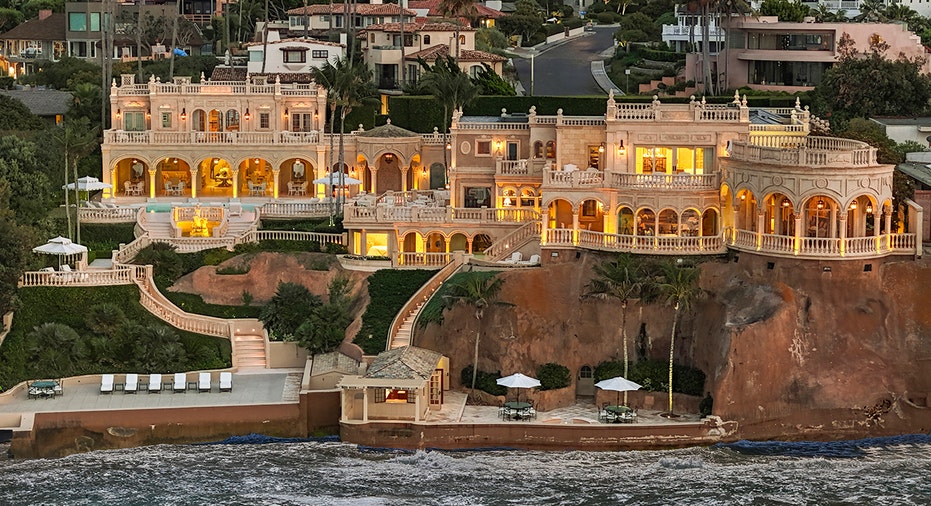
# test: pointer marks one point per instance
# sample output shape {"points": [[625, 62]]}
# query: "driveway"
{"points": [[565, 70]]}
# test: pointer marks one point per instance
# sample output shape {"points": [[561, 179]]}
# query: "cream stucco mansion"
{"points": [[653, 178]]}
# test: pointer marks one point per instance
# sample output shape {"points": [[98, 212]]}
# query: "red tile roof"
{"points": [[467, 55], [433, 6], [363, 9], [417, 27]]}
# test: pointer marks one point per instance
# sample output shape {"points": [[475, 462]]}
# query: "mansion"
{"points": [[651, 178]]}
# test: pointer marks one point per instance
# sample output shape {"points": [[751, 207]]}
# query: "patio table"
{"points": [[44, 389], [515, 410], [621, 414]]}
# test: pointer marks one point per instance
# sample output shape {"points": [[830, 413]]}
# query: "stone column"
{"points": [[374, 171], [276, 174], [404, 172], [760, 223], [194, 182], [575, 226], [834, 218], [469, 244], [151, 191], [235, 173], [842, 232], [798, 232], [543, 227], [363, 240], [365, 404]]}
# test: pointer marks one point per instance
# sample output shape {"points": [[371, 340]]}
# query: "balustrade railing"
{"points": [[512, 167], [414, 214], [664, 181], [291, 235], [215, 88], [822, 247], [295, 209], [250, 138], [634, 112], [107, 215], [413, 259], [573, 179], [502, 247], [422, 296], [647, 244], [164, 309], [804, 151], [121, 275]]}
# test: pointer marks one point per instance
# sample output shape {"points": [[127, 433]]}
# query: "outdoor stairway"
{"points": [[249, 349], [240, 225], [403, 336], [157, 226]]}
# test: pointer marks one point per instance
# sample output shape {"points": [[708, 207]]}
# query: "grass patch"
{"points": [[93, 353], [388, 291], [193, 303]]}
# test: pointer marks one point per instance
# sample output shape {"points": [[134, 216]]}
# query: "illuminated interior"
{"points": [[670, 160], [376, 245]]}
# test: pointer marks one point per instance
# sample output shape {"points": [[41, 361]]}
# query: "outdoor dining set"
{"points": [[44, 389]]}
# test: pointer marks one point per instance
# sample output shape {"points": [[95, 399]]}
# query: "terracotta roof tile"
{"points": [[363, 9], [442, 51], [433, 6], [418, 27], [407, 362]]}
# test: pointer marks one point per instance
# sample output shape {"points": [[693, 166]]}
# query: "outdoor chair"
{"points": [[514, 258], [203, 383], [180, 383], [155, 383], [226, 382], [106, 384], [132, 383]]}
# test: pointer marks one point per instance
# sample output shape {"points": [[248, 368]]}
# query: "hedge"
{"points": [[389, 290], [654, 375], [484, 381]]}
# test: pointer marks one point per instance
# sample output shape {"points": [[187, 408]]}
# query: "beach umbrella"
{"points": [[60, 247], [518, 380], [87, 184], [618, 384], [337, 179]]}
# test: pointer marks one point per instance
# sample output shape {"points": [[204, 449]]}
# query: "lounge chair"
{"points": [[203, 382], [132, 383], [155, 383], [180, 384], [514, 258], [106, 384], [226, 382]]}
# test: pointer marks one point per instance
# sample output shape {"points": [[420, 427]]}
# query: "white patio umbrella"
{"points": [[618, 384], [60, 247], [518, 380], [88, 184], [335, 179]]}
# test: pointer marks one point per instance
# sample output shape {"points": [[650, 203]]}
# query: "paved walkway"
{"points": [[258, 386]]}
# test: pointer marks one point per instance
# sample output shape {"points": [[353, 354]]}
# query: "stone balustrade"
{"points": [[804, 151], [661, 181], [573, 178], [642, 244], [503, 247], [822, 247], [414, 214], [121, 275], [107, 214], [225, 88], [454, 261], [235, 137], [297, 209], [414, 259]]}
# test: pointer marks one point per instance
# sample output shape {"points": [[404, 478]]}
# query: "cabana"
{"points": [[400, 384]]}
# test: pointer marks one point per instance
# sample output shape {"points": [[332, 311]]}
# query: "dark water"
{"points": [[343, 474]]}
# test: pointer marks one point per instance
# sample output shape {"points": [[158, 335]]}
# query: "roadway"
{"points": [[565, 69]]}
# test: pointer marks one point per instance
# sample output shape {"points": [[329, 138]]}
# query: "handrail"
{"points": [[159, 305], [517, 238], [120, 275], [458, 260]]}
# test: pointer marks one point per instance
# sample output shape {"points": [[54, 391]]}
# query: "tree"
{"points": [[76, 138], [620, 279], [897, 87], [57, 348], [105, 318], [525, 21], [450, 86], [478, 291], [325, 329], [288, 309], [9, 19], [457, 9], [19, 168], [791, 11], [490, 83], [679, 287], [16, 243]]}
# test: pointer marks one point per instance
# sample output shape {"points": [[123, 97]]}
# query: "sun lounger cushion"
{"points": [[106, 384], [155, 383], [226, 381], [203, 383], [132, 383], [180, 384]]}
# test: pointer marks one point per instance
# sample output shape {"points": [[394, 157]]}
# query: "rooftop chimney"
{"points": [[44, 13]]}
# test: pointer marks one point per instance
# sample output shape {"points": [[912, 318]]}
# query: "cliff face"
{"points": [[799, 350]]}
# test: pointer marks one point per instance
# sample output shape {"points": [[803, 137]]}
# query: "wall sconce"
{"points": [[869, 208], [389, 157], [285, 112], [423, 171], [621, 150], [449, 146], [786, 202], [183, 114], [316, 115], [601, 149], [247, 115], [148, 113], [853, 205], [820, 204], [119, 114], [498, 146], [743, 196]]}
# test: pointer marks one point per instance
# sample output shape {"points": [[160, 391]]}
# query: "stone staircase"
{"points": [[249, 348], [158, 225], [403, 336]]}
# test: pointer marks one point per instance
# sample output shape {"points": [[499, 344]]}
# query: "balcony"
{"points": [[682, 32], [823, 247], [387, 214], [237, 138], [641, 244], [214, 88], [591, 178], [530, 168], [692, 112], [625, 181], [798, 151]]}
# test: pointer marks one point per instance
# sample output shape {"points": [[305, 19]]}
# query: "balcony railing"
{"points": [[573, 179], [215, 88], [807, 151], [664, 181], [713, 31], [153, 137], [644, 244], [823, 247], [412, 214]]}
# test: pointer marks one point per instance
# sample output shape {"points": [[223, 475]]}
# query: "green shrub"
{"points": [[389, 290], [193, 303], [106, 237], [484, 381], [233, 270], [553, 376], [654, 375], [605, 18], [432, 312]]}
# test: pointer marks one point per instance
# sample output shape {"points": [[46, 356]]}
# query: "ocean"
{"points": [[883, 472]]}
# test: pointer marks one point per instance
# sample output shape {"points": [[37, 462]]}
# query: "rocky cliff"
{"points": [[792, 349]]}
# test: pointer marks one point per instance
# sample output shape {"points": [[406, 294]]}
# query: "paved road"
{"points": [[566, 70]]}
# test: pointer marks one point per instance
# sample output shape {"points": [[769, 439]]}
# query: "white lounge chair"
{"points": [[155, 383], [514, 258], [180, 384], [106, 384], [226, 382], [132, 383], [203, 382]]}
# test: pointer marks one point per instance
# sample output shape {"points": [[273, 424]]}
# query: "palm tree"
{"points": [[727, 9], [76, 139], [479, 291], [450, 86], [679, 286], [457, 9], [620, 279]]}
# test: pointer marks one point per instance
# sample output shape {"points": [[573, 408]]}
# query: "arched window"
{"points": [[426, 39], [585, 372], [509, 197], [551, 149], [232, 120], [199, 121], [475, 70], [528, 197], [462, 40], [538, 149]]}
